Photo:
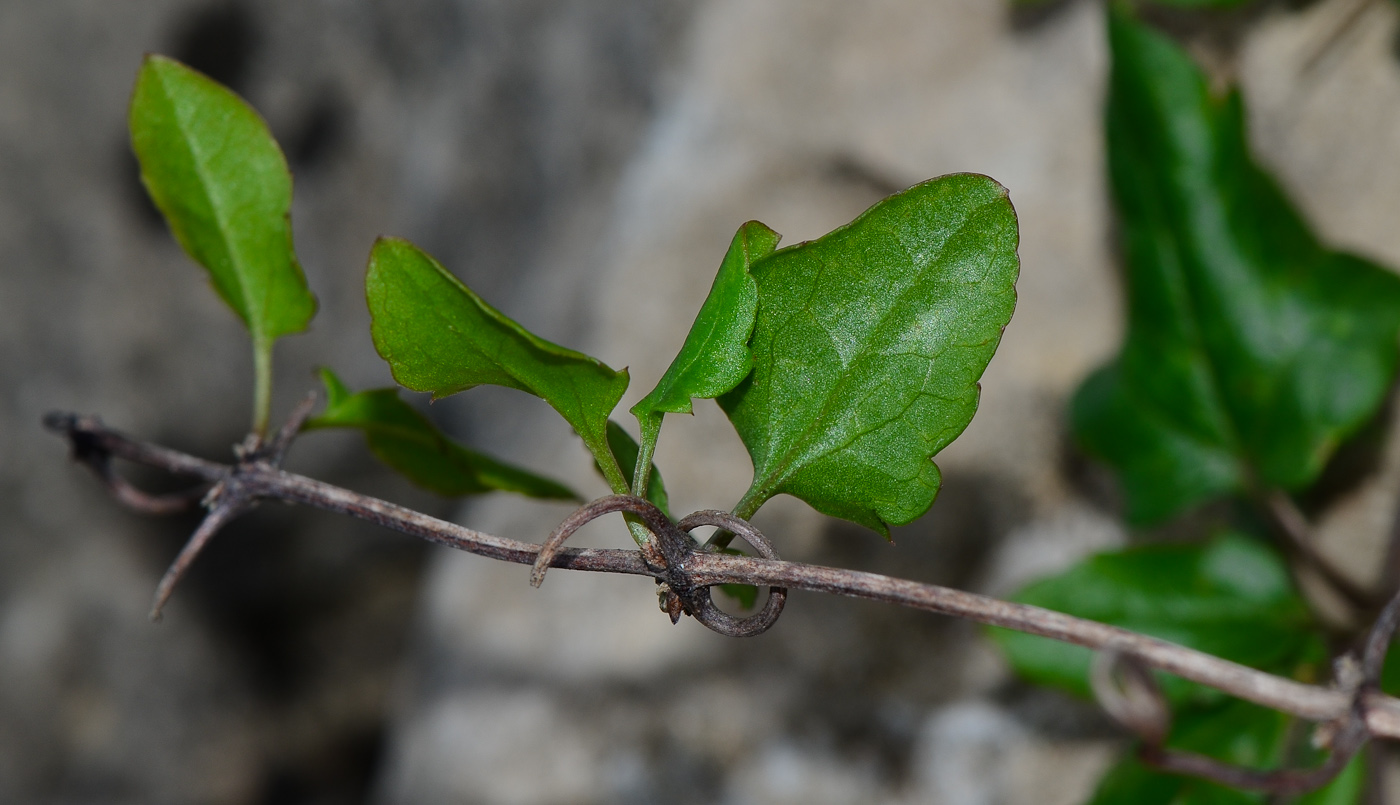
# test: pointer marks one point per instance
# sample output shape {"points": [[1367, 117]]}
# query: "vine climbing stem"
{"points": [[258, 478]]}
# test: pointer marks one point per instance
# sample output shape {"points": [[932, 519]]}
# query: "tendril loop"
{"points": [[666, 555]]}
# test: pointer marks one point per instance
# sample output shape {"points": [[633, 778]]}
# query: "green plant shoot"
{"points": [[214, 171]]}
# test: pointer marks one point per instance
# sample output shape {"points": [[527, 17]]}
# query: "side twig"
{"points": [[693, 570], [1298, 533]]}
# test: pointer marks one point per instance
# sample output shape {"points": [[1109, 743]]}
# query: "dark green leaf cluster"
{"points": [[1252, 351]]}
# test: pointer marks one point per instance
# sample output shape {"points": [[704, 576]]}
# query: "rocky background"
{"points": [[583, 164]]}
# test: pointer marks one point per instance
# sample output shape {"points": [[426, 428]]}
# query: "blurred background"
{"points": [[582, 164]]}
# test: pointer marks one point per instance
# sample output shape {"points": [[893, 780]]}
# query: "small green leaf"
{"points": [[867, 350], [439, 336], [715, 356], [625, 449], [1231, 597], [1252, 351], [405, 440], [214, 171]]}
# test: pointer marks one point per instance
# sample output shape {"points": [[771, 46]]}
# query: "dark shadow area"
{"points": [[221, 41], [1030, 15], [320, 133], [866, 691], [316, 611], [1357, 459]]}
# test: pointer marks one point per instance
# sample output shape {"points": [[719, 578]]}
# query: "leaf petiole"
{"points": [[262, 386], [641, 473]]}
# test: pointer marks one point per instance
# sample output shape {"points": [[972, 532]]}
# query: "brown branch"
{"points": [[1130, 694], [218, 517], [695, 570]]}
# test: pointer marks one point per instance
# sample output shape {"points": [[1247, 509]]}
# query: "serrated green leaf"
{"points": [[1236, 732], [439, 336], [213, 169], [715, 356], [405, 440], [867, 350], [1231, 597], [1252, 350], [625, 449]]}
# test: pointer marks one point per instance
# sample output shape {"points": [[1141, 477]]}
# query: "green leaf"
{"points": [[625, 449], [214, 171], [405, 440], [1231, 597], [867, 350], [1251, 350], [715, 356], [1236, 732], [439, 336]]}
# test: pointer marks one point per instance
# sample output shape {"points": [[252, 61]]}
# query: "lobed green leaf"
{"points": [[405, 440], [213, 169], [1231, 597], [439, 336], [868, 346], [1252, 351]]}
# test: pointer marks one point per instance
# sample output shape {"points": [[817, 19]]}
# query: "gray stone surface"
{"points": [[469, 127], [583, 163]]}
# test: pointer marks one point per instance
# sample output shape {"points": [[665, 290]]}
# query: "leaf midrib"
{"points": [[492, 356], [207, 186]]}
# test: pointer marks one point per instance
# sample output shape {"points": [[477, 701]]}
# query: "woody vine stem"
{"points": [[1352, 709]]}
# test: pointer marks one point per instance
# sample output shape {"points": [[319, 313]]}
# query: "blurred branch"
{"points": [[1299, 537]]}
